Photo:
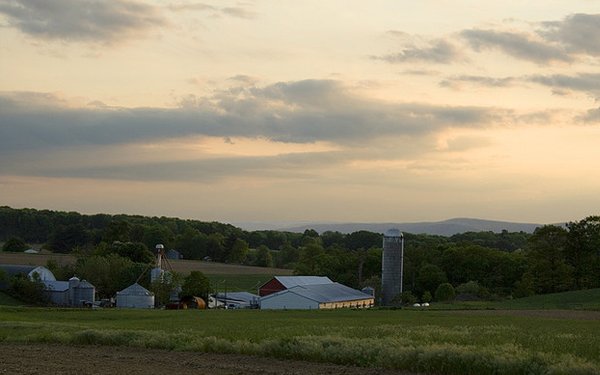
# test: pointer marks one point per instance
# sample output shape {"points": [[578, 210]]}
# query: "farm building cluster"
{"points": [[281, 292]]}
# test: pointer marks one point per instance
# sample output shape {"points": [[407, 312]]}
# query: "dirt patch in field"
{"points": [[550, 314], [35, 259], [56, 359]]}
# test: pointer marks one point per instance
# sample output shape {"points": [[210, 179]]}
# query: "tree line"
{"points": [[476, 264]]}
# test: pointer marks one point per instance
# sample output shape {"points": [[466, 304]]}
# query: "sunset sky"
{"points": [[286, 111]]}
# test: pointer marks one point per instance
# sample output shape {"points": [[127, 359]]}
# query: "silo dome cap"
{"points": [[393, 233], [74, 278], [160, 246]]}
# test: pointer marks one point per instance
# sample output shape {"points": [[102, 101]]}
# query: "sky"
{"points": [[302, 111]]}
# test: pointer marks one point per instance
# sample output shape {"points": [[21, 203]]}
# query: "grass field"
{"points": [[575, 300], [6, 300], [441, 342]]}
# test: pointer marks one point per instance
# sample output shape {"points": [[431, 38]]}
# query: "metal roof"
{"points": [[135, 290], [323, 293], [292, 281], [56, 286], [238, 296], [16, 269], [85, 284]]}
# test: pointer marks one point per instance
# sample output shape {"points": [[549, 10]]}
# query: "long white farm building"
{"points": [[308, 292]]}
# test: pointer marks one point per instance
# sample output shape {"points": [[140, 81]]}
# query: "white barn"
{"points": [[317, 296]]}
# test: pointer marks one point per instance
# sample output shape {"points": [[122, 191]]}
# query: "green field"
{"points": [[442, 342], [6, 300], [575, 300], [237, 283]]}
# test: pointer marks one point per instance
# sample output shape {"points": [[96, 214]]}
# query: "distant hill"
{"points": [[443, 228]]}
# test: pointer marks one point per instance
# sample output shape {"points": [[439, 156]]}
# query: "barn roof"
{"points": [[292, 281], [324, 293], [15, 269]]}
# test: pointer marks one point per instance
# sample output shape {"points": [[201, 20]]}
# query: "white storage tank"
{"points": [[135, 297]]}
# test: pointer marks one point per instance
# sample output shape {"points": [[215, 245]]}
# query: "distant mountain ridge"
{"points": [[443, 228]]}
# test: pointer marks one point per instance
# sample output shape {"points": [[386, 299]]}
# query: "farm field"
{"points": [[35, 259], [574, 300], [441, 342], [46, 359], [183, 266]]}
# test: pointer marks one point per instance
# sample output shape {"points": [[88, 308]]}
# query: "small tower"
{"points": [[392, 265], [157, 272]]}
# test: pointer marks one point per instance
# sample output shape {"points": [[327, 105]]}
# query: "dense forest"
{"points": [[477, 265]]}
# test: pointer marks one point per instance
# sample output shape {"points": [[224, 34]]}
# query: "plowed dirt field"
{"points": [[45, 359]]}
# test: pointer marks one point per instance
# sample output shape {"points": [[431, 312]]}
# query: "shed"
{"points": [[57, 292], [237, 300], [74, 292], [317, 296], [135, 296], [279, 283], [173, 254]]}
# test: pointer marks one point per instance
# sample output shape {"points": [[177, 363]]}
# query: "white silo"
{"points": [[392, 265]]}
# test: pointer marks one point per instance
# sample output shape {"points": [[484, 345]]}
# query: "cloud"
{"points": [[238, 11], [81, 20], [42, 135], [591, 116], [301, 112], [298, 165], [519, 45], [579, 33], [456, 81], [438, 51], [553, 41], [584, 82]]}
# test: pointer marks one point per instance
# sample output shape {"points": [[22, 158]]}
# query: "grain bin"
{"points": [[135, 296]]}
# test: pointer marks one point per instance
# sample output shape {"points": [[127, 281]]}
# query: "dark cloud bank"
{"points": [[81, 20], [304, 111]]}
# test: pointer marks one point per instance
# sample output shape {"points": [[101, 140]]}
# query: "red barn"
{"points": [[279, 283]]}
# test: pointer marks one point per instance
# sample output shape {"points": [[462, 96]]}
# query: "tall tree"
{"points": [[238, 252], [264, 257], [196, 284], [548, 270], [583, 251]]}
